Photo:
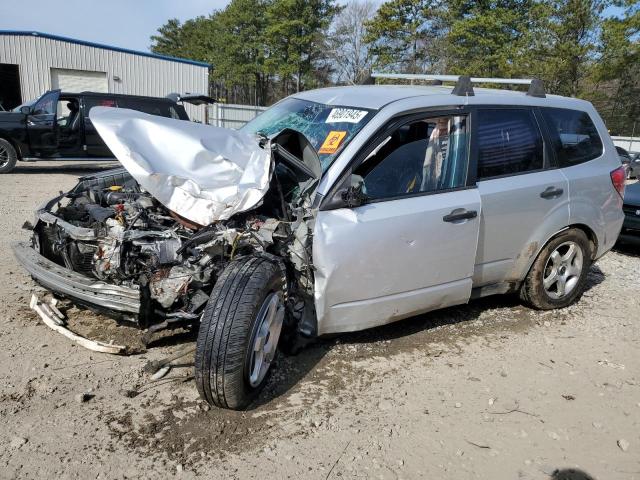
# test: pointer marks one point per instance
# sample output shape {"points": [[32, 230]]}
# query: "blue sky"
{"points": [[122, 23]]}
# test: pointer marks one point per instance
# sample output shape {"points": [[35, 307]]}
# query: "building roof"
{"points": [[100, 45]]}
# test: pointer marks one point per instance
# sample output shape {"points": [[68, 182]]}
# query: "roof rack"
{"points": [[464, 83]]}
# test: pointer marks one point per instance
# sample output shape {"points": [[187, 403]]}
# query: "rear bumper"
{"points": [[85, 290]]}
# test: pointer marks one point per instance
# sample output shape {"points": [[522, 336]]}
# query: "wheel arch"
{"points": [[591, 235], [593, 241], [13, 143]]}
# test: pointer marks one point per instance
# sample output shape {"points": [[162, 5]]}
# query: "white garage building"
{"points": [[33, 62]]}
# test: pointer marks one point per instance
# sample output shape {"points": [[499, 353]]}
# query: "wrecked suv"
{"points": [[336, 210]]}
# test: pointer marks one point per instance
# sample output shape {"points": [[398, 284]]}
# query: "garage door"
{"points": [[78, 80]]}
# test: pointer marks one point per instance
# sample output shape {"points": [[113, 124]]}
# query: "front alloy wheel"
{"points": [[239, 331], [265, 338]]}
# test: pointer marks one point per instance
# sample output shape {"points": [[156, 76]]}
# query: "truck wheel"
{"points": [[8, 156], [558, 276], [239, 332]]}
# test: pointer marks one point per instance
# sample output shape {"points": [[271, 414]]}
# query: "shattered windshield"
{"points": [[329, 128]]}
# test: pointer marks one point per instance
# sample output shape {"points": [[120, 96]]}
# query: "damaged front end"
{"points": [[146, 243]]}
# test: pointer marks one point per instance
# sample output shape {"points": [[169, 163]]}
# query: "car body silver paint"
{"points": [[353, 291], [515, 222], [388, 260], [593, 200]]}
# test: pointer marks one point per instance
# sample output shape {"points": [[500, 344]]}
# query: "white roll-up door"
{"points": [[75, 81]]}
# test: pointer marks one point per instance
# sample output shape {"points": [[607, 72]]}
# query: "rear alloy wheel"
{"points": [[558, 276], [563, 269], [8, 156], [239, 332]]}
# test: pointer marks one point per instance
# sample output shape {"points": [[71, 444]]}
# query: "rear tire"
{"points": [[8, 156], [559, 273], [239, 328]]}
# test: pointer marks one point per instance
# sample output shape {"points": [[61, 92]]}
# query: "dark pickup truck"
{"points": [[57, 125]]}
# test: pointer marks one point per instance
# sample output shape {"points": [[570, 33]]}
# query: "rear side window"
{"points": [[509, 142], [575, 137], [159, 108]]}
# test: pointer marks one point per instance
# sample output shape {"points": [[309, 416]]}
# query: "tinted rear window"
{"points": [[90, 102], [574, 135], [509, 143], [160, 108]]}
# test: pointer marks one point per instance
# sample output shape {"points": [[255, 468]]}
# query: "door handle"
{"points": [[457, 215], [551, 192]]}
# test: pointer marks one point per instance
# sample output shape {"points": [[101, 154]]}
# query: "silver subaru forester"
{"points": [[335, 210]]}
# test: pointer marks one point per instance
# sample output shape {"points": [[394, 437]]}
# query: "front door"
{"points": [[41, 126], [411, 247]]}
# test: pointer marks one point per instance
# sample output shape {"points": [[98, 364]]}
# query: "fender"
{"points": [[13, 128]]}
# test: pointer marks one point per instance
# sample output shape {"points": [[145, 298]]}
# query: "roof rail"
{"points": [[464, 83]]}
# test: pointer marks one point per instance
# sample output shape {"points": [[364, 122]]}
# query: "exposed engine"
{"points": [[107, 227]]}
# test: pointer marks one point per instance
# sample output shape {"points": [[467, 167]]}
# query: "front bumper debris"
{"points": [[54, 319], [67, 283]]}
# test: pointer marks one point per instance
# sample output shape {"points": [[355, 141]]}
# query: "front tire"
{"points": [[239, 332], [8, 156], [559, 274]]}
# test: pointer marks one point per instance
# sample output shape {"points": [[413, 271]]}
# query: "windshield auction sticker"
{"points": [[348, 115], [332, 142]]}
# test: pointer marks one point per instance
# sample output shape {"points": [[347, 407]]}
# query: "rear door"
{"points": [[525, 198], [41, 125], [411, 247], [94, 145]]}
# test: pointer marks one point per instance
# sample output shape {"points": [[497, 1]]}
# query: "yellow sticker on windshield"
{"points": [[332, 142]]}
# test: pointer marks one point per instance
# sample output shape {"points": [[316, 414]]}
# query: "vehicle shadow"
{"points": [[415, 332], [570, 474], [628, 245], [71, 168], [595, 277]]}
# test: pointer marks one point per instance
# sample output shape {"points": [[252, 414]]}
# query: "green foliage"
{"points": [[565, 46], [169, 40], [404, 34], [489, 38], [295, 35], [262, 50], [253, 43], [617, 72]]}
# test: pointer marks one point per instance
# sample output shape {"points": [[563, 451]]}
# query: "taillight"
{"points": [[618, 178]]}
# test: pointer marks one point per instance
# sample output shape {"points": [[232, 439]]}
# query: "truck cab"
{"points": [[57, 126]]}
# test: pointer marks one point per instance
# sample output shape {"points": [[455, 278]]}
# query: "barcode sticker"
{"points": [[348, 115]]}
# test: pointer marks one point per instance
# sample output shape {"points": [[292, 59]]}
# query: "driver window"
{"points": [[422, 156], [45, 106]]}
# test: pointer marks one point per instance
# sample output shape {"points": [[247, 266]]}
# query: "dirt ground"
{"points": [[488, 390]]}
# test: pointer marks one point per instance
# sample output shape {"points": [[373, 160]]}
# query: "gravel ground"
{"points": [[488, 390]]}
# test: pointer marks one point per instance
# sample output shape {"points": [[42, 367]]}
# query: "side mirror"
{"points": [[354, 196], [26, 110]]}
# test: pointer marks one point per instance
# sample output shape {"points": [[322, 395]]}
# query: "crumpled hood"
{"points": [[202, 173]]}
